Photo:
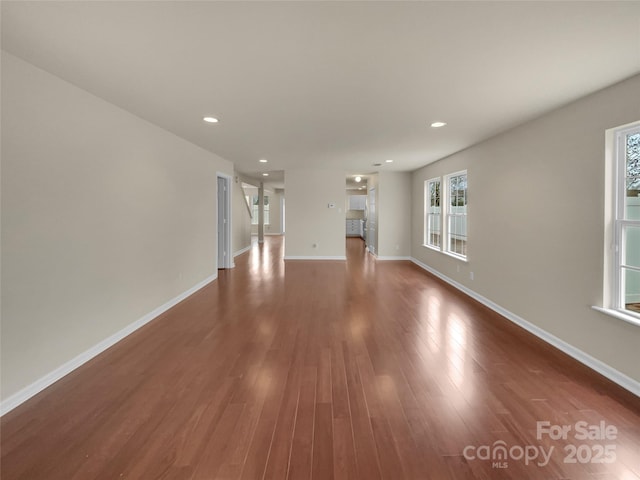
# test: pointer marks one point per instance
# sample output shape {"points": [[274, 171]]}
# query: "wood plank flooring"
{"points": [[323, 370]]}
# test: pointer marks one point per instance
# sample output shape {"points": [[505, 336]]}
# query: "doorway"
{"points": [[224, 221]]}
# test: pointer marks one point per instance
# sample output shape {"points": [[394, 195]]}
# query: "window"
{"points": [[254, 201], [433, 222], [446, 214], [456, 226], [626, 269]]}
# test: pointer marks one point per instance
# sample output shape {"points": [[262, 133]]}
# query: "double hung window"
{"points": [[625, 295], [446, 214]]}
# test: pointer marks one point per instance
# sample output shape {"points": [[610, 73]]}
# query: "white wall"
{"points": [[536, 211], [275, 213], [105, 217], [394, 214], [308, 219]]}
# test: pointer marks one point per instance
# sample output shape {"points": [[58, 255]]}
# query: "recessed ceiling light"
{"points": [[438, 124], [265, 174], [358, 179], [210, 119], [262, 160], [388, 161]]}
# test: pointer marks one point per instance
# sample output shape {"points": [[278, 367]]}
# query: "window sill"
{"points": [[431, 247], [627, 317], [449, 254]]}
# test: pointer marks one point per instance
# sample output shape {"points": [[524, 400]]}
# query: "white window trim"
{"points": [[613, 304], [444, 210], [427, 205]]}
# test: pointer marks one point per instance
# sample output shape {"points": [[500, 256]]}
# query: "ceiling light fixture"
{"points": [[358, 179], [438, 124], [210, 119], [265, 174], [262, 160], [388, 161]]}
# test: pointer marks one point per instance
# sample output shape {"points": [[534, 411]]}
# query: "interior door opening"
{"points": [[224, 222]]}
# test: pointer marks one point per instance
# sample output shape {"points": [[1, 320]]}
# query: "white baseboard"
{"points": [[297, 257], [602, 368], [242, 250], [388, 257], [30, 390]]}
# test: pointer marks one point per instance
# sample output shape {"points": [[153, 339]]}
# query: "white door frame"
{"points": [[282, 213], [224, 261]]}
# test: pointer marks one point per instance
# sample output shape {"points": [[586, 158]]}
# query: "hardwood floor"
{"points": [[323, 370]]}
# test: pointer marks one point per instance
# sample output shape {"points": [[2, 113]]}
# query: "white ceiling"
{"points": [[335, 84]]}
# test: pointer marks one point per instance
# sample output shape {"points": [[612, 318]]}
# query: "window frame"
{"points": [[614, 222], [620, 223], [445, 212]]}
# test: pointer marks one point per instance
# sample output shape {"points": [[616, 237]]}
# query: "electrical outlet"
{"points": [[458, 268], [470, 275]]}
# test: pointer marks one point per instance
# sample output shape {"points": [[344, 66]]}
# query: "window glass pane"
{"points": [[452, 237], [434, 230], [631, 246], [632, 176], [433, 213], [457, 234], [631, 280], [434, 194], [255, 208], [458, 190]]}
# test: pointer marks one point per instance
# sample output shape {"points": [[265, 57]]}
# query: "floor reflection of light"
{"points": [[457, 331], [263, 382], [265, 329], [255, 258], [357, 325], [430, 324], [627, 475], [427, 340], [456, 343], [435, 324], [260, 262], [386, 386]]}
